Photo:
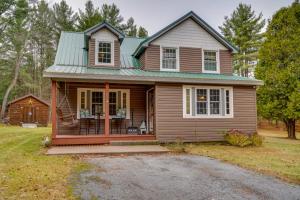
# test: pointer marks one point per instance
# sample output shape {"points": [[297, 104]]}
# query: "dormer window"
{"points": [[210, 61], [169, 59], [104, 53]]}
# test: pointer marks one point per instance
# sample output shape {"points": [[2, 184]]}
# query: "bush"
{"points": [[257, 140], [241, 139]]}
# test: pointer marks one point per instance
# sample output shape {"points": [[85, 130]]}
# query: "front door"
{"points": [[29, 114], [150, 123]]}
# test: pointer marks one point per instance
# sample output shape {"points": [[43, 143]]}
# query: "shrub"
{"points": [[237, 138], [256, 140]]}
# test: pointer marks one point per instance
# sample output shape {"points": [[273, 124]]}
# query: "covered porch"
{"points": [[98, 113]]}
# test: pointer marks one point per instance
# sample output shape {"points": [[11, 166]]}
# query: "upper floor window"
{"points": [[210, 61], [169, 59], [104, 53]]}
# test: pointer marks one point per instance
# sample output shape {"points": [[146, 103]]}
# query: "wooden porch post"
{"points": [[106, 104], [53, 108]]}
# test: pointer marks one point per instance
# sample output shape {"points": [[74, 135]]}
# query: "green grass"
{"points": [[26, 172], [278, 156]]}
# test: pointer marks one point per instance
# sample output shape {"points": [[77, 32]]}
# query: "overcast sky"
{"points": [[156, 14]]}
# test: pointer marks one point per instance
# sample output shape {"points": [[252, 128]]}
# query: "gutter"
{"points": [[150, 79]]}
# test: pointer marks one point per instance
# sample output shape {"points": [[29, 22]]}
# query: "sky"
{"points": [[156, 14]]}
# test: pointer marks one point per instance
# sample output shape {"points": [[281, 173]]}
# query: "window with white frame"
{"points": [[92, 101], [104, 52], [169, 59], [207, 102], [211, 61]]}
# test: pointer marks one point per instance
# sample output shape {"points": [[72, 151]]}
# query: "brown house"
{"points": [[176, 84], [28, 109]]}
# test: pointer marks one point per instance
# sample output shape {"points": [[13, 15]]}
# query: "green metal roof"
{"points": [[128, 46], [97, 73], [71, 49]]}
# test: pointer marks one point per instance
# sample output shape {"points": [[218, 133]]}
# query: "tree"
{"points": [[41, 52], [142, 32], [111, 14], [129, 28], [64, 18], [16, 38], [5, 8], [88, 18], [279, 68], [243, 29]]}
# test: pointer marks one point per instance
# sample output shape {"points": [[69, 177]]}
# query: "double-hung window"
{"points": [[169, 59], [104, 53], [210, 61], [207, 102], [91, 101]]}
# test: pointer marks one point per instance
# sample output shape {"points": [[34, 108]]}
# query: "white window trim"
{"points": [[79, 90], [208, 115], [112, 53], [177, 59], [218, 61]]}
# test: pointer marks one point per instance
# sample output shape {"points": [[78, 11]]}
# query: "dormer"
{"points": [[188, 44], [104, 45]]}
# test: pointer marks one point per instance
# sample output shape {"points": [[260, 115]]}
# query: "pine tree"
{"points": [[111, 14], [16, 38], [64, 18], [42, 43], [279, 68], [129, 28], [88, 18], [5, 8], [142, 32], [243, 29]]}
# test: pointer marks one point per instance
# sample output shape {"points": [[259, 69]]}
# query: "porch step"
{"points": [[134, 142], [29, 125]]}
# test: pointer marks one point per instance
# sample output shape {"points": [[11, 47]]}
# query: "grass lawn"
{"points": [[278, 156], [26, 173]]}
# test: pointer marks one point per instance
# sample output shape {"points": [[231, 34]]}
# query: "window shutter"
{"points": [[223, 103], [193, 101], [88, 100]]}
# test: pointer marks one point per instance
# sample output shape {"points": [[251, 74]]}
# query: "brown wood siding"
{"points": [[142, 60], [15, 111], [152, 58], [117, 53], [170, 124], [190, 59], [137, 104], [226, 62], [92, 48], [92, 52]]}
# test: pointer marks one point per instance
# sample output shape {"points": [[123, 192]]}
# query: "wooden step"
{"points": [[134, 142]]}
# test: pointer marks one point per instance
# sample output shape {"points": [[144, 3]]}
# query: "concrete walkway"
{"points": [[102, 149]]}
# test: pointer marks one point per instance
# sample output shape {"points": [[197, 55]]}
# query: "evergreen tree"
{"points": [[279, 68], [111, 14], [129, 28], [88, 18], [142, 32], [42, 43], [243, 29], [5, 8], [64, 18], [15, 38]]}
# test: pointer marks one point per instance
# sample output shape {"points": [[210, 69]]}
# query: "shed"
{"points": [[28, 109]]}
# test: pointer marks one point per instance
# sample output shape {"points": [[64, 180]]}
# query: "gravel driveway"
{"points": [[176, 177]]}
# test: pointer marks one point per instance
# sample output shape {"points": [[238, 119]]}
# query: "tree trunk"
{"points": [[291, 128], [10, 87]]}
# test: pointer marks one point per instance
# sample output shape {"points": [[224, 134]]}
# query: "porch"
{"points": [[98, 113]]}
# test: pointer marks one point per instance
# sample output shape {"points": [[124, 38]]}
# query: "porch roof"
{"points": [[123, 74]]}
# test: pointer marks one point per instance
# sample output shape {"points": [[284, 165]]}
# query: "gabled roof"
{"points": [[26, 96], [104, 24], [198, 20]]}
